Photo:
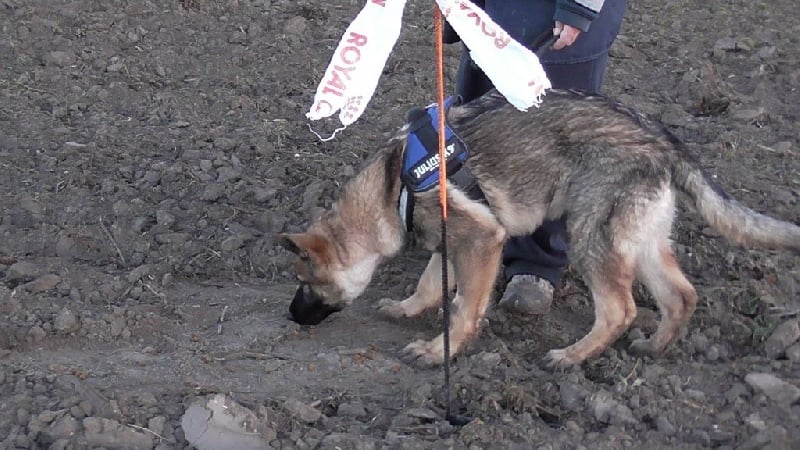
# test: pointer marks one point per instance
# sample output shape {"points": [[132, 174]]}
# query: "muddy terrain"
{"points": [[151, 150]]}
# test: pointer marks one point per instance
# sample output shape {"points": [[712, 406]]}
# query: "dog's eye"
{"points": [[303, 256]]}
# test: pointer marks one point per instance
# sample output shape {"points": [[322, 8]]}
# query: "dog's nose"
{"points": [[307, 308]]}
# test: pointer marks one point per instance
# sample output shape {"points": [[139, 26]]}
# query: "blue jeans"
{"points": [[581, 66]]}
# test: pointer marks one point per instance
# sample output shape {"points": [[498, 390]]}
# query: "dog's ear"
{"points": [[308, 246]]}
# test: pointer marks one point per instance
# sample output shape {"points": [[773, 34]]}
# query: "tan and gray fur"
{"points": [[609, 170]]}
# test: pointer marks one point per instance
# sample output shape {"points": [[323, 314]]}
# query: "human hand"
{"points": [[567, 34]]}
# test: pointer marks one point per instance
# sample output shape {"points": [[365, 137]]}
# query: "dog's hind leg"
{"points": [[658, 269], [610, 283], [428, 294]]}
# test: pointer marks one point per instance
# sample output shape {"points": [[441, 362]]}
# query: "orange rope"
{"points": [[437, 20]]}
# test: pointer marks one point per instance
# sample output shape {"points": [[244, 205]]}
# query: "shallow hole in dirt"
{"points": [[551, 417], [600, 373]]}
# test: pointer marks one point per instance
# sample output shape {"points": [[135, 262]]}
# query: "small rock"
{"points": [[296, 25], [165, 218], [237, 38], [227, 173], [700, 342], [264, 194], [42, 284], [157, 424], [756, 422], [116, 326], [218, 422], [22, 272], [77, 412], [46, 416], [665, 426], [785, 334], [151, 177], [36, 333], [635, 334], [270, 221], [747, 114], [102, 432], [226, 144], [232, 243], [773, 387], [115, 67], [420, 413], [213, 192], [82, 247], [572, 395], [766, 52], [793, 353], [773, 437], [59, 58], [727, 44], [173, 238], [63, 428], [301, 411], [139, 272], [694, 394], [608, 410], [351, 409], [23, 417], [676, 116], [66, 321], [712, 354]]}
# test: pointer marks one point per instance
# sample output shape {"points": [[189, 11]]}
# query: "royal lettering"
{"points": [[324, 108], [357, 39], [381, 3], [328, 90], [502, 41], [341, 74], [350, 55]]}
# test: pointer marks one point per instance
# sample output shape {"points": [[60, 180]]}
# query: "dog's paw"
{"points": [[391, 308], [423, 353], [561, 358]]}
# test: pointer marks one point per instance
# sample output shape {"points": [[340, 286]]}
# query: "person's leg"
{"points": [[471, 82], [534, 263]]}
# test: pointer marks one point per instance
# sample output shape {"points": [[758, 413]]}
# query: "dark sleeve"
{"points": [[574, 14]]}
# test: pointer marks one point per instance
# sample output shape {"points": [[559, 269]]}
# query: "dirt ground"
{"points": [[151, 150]]}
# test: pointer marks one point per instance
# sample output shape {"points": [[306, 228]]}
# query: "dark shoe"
{"points": [[527, 294]]}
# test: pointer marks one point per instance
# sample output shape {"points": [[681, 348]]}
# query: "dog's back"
{"points": [[589, 156]]}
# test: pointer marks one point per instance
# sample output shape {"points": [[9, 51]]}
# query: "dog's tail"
{"points": [[734, 220]]}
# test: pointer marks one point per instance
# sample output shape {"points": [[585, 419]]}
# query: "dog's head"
{"points": [[327, 284], [337, 255]]}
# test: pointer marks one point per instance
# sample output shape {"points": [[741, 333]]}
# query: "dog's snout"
{"points": [[308, 308]]}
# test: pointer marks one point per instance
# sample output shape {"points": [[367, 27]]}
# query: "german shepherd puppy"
{"points": [[613, 174]]}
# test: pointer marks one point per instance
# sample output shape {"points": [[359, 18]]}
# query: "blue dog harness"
{"points": [[421, 159]]}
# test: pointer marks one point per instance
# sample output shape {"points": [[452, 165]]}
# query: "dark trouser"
{"points": [[582, 66]]}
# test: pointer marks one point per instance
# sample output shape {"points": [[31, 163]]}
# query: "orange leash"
{"points": [[437, 20]]}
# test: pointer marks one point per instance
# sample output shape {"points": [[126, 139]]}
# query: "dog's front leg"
{"points": [[428, 294], [476, 263]]}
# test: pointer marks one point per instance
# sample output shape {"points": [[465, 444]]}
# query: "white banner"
{"points": [[513, 69], [352, 75], [358, 61]]}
